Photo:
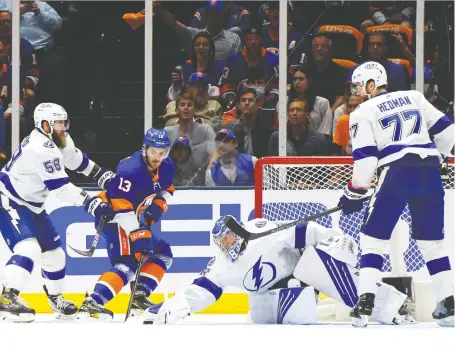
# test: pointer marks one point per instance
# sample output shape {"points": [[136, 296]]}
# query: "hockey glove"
{"points": [[350, 201], [105, 178], [141, 240], [153, 213], [98, 208], [101, 176]]}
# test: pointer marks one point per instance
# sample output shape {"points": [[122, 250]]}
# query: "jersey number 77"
{"points": [[408, 122]]}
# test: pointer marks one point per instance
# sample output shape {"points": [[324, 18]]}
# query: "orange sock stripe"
{"points": [[154, 270], [114, 280]]}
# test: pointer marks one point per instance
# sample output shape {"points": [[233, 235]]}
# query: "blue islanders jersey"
{"points": [[133, 185], [236, 67], [272, 44], [389, 126]]}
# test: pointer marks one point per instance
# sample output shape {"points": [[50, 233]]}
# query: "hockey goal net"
{"points": [[290, 188]]}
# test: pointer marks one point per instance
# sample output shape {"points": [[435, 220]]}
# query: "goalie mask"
{"points": [[230, 243]]}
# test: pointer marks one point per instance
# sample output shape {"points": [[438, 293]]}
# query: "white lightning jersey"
{"points": [[38, 167], [264, 262], [387, 127]]}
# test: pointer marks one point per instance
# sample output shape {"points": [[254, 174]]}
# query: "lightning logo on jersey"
{"points": [[261, 274]]}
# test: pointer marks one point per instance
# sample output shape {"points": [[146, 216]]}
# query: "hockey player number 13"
{"points": [[124, 185], [401, 122]]}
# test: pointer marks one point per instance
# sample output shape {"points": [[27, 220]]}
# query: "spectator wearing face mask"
{"points": [[230, 168], [187, 172]]}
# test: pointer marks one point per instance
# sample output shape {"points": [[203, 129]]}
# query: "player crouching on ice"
{"points": [[270, 269], [139, 193]]}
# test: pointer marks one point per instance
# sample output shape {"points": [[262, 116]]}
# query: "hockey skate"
{"points": [[404, 315], [443, 313], [62, 308], [140, 304], [90, 309], [362, 310], [13, 308]]}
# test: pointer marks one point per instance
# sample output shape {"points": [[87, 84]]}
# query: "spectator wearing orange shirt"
{"points": [[341, 137]]}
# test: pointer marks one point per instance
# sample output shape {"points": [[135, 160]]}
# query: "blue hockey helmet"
{"points": [[156, 138], [155, 147], [220, 233]]}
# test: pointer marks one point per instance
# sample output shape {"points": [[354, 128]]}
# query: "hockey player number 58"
{"points": [[403, 123]]}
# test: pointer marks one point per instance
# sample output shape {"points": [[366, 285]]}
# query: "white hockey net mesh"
{"points": [[297, 190]]}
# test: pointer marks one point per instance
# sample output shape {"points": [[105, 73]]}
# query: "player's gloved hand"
{"points": [[98, 208], [445, 169], [153, 212], [351, 199], [141, 240], [104, 178]]}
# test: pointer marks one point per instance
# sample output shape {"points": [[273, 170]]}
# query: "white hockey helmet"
{"points": [[50, 113], [366, 72]]}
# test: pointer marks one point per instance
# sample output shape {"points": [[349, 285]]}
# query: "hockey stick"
{"points": [[90, 252], [247, 236], [136, 280]]}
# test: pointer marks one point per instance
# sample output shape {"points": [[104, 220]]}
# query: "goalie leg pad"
{"points": [[284, 306], [328, 275], [387, 303]]}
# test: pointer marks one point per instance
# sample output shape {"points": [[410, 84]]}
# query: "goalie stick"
{"points": [[90, 252], [247, 236]]}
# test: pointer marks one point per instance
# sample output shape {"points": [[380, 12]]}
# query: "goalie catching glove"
{"points": [[351, 201]]}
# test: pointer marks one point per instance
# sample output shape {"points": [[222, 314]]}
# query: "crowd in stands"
{"points": [[221, 109]]}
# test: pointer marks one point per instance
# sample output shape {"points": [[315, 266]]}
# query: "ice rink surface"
{"points": [[216, 330]]}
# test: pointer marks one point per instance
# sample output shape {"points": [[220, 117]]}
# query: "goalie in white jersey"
{"points": [[270, 269], [36, 168], [404, 138]]}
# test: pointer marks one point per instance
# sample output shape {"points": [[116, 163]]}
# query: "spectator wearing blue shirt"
{"points": [[39, 22], [230, 168], [235, 18], [397, 76], [202, 60]]}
